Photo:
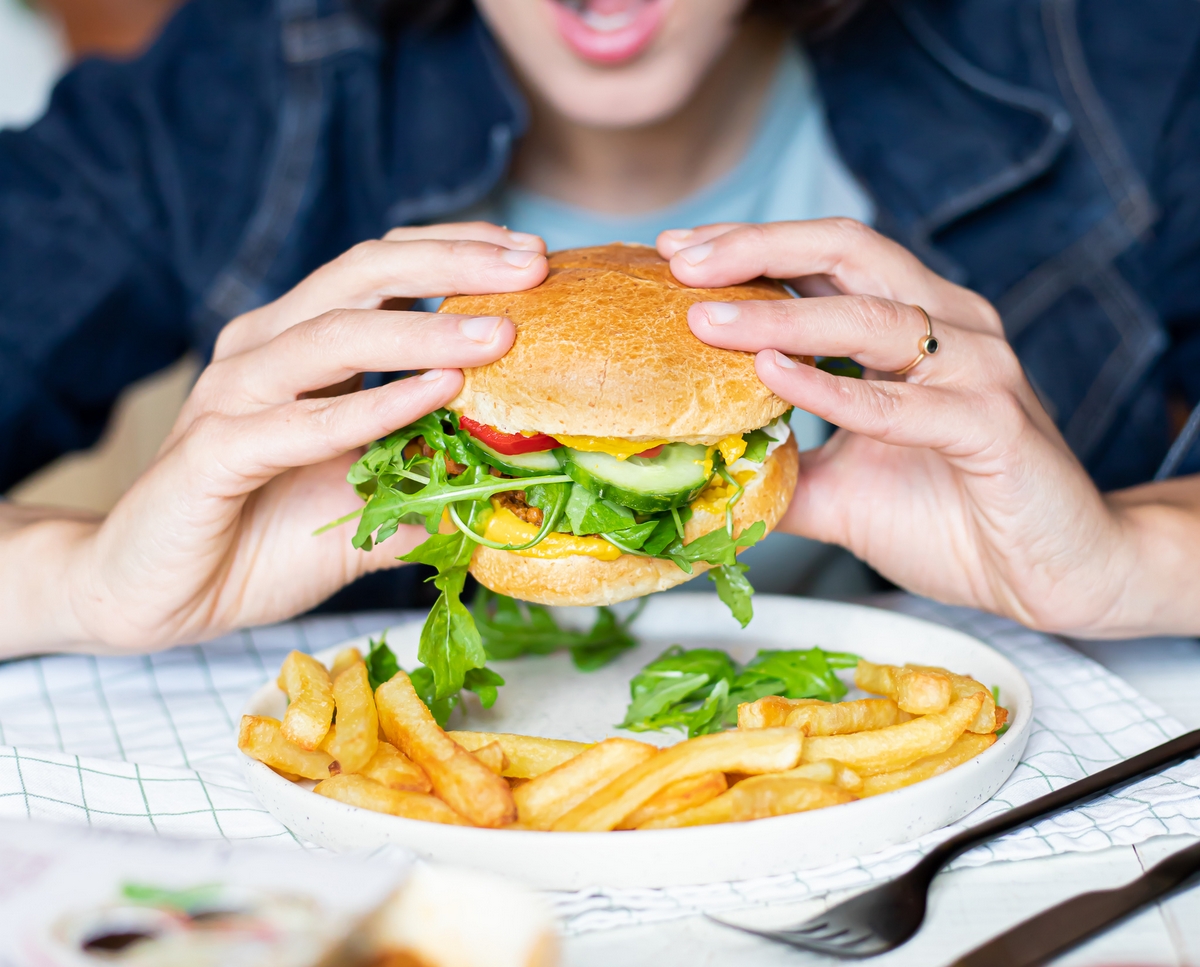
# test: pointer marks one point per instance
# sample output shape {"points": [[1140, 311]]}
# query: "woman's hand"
{"points": [[953, 482], [217, 534]]}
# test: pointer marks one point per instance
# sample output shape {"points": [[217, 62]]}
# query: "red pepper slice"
{"points": [[652, 452], [510, 444]]}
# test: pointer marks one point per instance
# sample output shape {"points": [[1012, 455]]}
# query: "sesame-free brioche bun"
{"points": [[603, 349], [581, 580]]}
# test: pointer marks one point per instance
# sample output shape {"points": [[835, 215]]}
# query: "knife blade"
{"points": [[1057, 930]]}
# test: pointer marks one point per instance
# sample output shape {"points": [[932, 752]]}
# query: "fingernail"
{"points": [[521, 259], [431, 374], [523, 239], [480, 328], [679, 233], [696, 254], [720, 313], [784, 362]]}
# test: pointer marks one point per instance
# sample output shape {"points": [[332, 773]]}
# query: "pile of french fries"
{"points": [[385, 752]]}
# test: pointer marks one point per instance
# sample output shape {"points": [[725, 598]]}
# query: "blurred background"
{"points": [[38, 41]]}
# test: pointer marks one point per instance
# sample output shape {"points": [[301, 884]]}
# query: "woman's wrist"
{"points": [[40, 558], [1160, 594]]}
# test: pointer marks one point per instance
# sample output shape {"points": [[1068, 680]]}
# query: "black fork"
{"points": [[886, 916]]}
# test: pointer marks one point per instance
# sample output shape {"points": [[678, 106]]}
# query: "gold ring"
{"points": [[926, 347]]}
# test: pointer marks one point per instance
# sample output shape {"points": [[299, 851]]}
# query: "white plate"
{"points": [[547, 696]]}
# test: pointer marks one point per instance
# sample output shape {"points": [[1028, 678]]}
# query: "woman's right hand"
{"points": [[218, 533]]}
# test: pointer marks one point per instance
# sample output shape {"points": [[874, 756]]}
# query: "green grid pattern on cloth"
{"points": [[147, 744]]}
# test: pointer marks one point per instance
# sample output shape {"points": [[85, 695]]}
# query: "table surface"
{"points": [[968, 906]]}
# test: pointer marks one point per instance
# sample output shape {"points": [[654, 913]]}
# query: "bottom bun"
{"points": [[581, 580]]}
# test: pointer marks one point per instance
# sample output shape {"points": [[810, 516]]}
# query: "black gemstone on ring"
{"points": [[931, 345]]}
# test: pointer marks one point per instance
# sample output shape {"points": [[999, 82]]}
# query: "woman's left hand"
{"points": [[954, 481]]}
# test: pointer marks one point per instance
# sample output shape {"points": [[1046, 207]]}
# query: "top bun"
{"points": [[603, 349]]}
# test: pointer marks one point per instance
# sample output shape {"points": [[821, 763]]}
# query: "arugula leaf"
{"points": [[756, 446], [664, 533], [734, 590], [382, 666], [439, 708], [381, 662], [700, 690], [545, 497], [589, 514], [450, 643], [511, 628], [485, 683], [803, 673], [607, 640], [716, 547], [443, 551], [665, 692]]}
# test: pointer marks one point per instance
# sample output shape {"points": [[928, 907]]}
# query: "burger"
{"points": [[608, 455]]}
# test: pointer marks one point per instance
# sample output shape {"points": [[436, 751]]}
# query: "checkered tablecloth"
{"points": [[147, 744]]}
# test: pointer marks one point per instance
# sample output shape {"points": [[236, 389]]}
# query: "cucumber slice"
{"points": [[648, 486], [521, 464]]}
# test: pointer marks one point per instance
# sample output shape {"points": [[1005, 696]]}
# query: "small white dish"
{"points": [[546, 696]]}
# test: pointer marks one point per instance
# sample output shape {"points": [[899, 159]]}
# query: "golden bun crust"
{"points": [[603, 349], [581, 580]]}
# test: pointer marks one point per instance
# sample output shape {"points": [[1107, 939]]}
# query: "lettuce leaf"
{"points": [[699, 690], [511, 628], [382, 666], [734, 590], [381, 662]]}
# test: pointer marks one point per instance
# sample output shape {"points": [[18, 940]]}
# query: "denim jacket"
{"points": [[1045, 153]]}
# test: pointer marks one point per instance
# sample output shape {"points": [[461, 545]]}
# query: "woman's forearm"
{"points": [[39, 552], [1162, 590]]}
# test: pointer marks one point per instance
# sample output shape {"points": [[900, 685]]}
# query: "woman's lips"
{"points": [[608, 31]]}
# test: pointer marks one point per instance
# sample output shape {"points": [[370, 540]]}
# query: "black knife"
{"points": [[1060, 928]]}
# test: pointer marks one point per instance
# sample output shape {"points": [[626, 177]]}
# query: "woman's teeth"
{"points": [[610, 22], [606, 16]]}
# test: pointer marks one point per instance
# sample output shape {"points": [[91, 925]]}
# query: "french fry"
{"points": [[461, 780], [771, 711], [916, 690], [492, 756], [841, 717], [779, 795], [678, 796], [751, 751], [757, 798], [962, 686], [353, 739], [719, 810], [289, 776], [343, 660], [392, 768], [261, 738], [365, 794], [828, 771], [528, 755], [310, 700], [542, 800], [1001, 717], [894, 747], [965, 747]]}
